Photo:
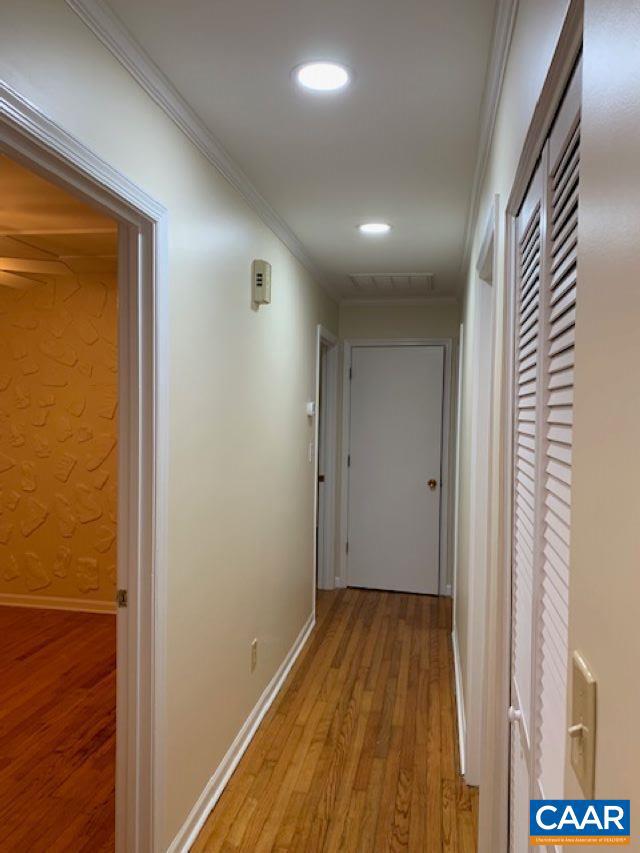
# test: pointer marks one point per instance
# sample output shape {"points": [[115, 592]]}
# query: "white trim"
{"points": [[216, 785], [342, 566], [426, 300], [30, 137], [324, 573], [504, 23], [50, 602], [456, 500], [33, 137], [113, 34], [479, 486], [339, 583], [462, 724], [487, 260]]}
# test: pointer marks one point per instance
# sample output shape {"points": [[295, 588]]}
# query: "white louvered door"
{"points": [[529, 248], [560, 308], [546, 293]]}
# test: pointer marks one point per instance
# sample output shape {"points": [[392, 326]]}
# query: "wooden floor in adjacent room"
{"points": [[359, 751], [57, 731]]}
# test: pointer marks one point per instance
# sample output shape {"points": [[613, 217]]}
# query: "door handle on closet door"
{"points": [[432, 484], [514, 715]]}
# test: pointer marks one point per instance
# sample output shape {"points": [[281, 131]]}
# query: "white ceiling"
{"points": [[399, 145]]}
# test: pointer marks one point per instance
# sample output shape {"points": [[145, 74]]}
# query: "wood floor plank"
{"points": [[359, 751], [57, 731]]}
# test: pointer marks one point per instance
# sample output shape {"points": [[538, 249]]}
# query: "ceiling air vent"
{"points": [[413, 284]]}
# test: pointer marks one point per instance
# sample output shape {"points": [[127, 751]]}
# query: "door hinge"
{"points": [[349, 461], [122, 598], [350, 373], [347, 547]]}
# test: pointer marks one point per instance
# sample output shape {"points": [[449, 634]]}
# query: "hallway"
{"points": [[359, 750], [318, 384]]}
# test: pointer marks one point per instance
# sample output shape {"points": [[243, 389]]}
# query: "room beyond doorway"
{"points": [[59, 399]]}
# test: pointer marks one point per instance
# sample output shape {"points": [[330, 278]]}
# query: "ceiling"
{"points": [[398, 145], [45, 231]]}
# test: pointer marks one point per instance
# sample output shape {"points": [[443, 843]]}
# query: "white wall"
{"points": [[604, 590], [241, 488], [438, 319]]}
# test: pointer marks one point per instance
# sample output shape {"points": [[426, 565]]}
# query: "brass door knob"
{"points": [[432, 484]]}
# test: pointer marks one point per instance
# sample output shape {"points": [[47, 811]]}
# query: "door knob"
{"points": [[514, 715], [432, 484]]}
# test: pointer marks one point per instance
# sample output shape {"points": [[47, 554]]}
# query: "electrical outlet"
{"points": [[254, 654]]}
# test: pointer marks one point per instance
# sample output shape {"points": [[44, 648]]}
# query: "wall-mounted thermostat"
{"points": [[261, 282]]}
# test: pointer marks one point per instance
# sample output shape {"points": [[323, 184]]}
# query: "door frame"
{"points": [[37, 142], [326, 413], [480, 515], [494, 819], [343, 559]]}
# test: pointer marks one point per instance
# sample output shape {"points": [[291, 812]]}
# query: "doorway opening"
{"points": [[35, 142], [58, 514], [326, 456]]}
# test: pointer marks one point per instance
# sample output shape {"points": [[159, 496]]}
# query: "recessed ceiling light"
{"points": [[374, 228], [322, 76]]}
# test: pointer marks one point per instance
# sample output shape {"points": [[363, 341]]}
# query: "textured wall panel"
{"points": [[58, 421]]}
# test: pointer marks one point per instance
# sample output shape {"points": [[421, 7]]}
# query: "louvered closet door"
{"points": [[526, 374], [546, 292], [560, 309]]}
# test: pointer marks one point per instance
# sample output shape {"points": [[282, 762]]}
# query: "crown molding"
{"points": [[505, 18], [108, 28]]}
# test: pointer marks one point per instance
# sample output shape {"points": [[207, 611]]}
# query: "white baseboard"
{"points": [[49, 602], [216, 785], [340, 584], [462, 724]]}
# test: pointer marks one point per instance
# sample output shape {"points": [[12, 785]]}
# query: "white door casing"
{"points": [[480, 491], [394, 449], [326, 428]]}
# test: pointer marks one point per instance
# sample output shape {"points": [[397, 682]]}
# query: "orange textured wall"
{"points": [[58, 422]]}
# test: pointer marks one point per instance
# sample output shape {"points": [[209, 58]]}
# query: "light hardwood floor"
{"points": [[359, 751], [57, 731]]}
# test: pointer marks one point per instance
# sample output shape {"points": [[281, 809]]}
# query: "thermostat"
{"points": [[261, 282]]}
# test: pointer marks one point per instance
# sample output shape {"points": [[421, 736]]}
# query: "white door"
{"points": [[395, 447], [546, 296], [527, 429]]}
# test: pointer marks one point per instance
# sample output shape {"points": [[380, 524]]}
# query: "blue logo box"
{"points": [[580, 821]]}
